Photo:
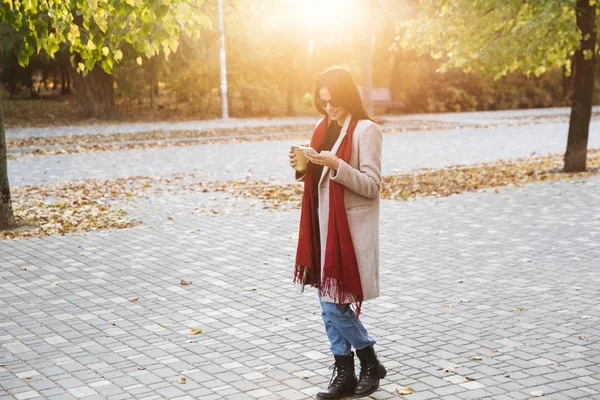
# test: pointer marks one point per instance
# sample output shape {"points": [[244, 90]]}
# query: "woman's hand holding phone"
{"points": [[308, 150], [326, 158]]}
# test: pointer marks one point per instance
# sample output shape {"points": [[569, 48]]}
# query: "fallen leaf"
{"points": [[164, 325], [134, 299], [184, 283], [538, 393], [27, 378], [81, 206], [448, 305], [286, 318], [403, 390], [582, 337], [469, 378], [448, 369], [196, 331], [495, 351], [182, 380], [141, 368], [477, 358], [23, 269], [519, 308]]}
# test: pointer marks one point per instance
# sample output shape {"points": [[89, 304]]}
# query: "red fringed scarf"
{"points": [[341, 280]]}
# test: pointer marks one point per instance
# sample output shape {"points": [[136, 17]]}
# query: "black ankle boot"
{"points": [[343, 379], [371, 371]]}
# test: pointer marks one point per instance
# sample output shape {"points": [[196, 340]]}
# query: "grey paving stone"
{"points": [[484, 253]]}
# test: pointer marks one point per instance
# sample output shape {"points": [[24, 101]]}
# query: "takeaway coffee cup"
{"points": [[301, 161]]}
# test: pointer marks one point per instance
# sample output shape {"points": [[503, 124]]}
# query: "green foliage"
{"points": [[423, 89], [95, 30], [496, 36], [274, 56]]}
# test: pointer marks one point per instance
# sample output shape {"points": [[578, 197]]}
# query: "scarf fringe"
{"points": [[330, 288], [299, 276], [299, 273]]}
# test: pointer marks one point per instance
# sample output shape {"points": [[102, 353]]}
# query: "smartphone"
{"points": [[308, 150]]}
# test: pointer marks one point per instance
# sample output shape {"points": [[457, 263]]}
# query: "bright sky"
{"points": [[315, 13]]}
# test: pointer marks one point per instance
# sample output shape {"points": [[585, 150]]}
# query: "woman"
{"points": [[338, 245]]}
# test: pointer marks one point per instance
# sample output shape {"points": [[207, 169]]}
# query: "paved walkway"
{"points": [[264, 160], [484, 295], [504, 116], [455, 272]]}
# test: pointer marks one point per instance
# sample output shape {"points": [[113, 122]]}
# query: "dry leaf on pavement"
{"points": [[402, 390]]}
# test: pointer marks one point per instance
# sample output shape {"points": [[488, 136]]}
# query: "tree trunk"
{"points": [[152, 94], [291, 83], [581, 110], [65, 83], [399, 64], [94, 93], [7, 219]]}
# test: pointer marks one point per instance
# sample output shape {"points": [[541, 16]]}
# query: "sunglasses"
{"points": [[332, 103]]}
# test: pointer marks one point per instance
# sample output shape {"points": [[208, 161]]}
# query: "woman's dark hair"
{"points": [[343, 91]]}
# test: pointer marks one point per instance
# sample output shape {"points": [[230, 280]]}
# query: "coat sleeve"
{"points": [[366, 180]]}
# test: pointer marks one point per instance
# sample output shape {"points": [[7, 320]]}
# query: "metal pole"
{"points": [[224, 105], [368, 58]]}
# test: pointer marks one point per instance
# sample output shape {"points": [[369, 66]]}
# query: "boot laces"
{"points": [[337, 376], [367, 369]]}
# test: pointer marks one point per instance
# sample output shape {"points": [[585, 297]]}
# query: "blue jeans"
{"points": [[343, 329]]}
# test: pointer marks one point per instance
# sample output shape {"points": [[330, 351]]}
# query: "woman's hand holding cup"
{"points": [[292, 158], [297, 159]]}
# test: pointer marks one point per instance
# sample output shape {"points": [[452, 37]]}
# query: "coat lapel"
{"points": [[337, 144]]}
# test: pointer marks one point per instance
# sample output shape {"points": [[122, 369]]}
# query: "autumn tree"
{"points": [[94, 32], [500, 36]]}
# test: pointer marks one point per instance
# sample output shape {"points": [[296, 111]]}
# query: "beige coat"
{"points": [[362, 179]]}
